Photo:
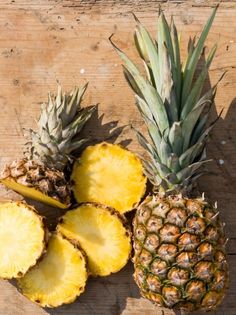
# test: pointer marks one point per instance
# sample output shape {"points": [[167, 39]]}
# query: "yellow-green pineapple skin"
{"points": [[180, 259]]}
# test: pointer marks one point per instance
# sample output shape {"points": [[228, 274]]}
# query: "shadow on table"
{"points": [[98, 131]]}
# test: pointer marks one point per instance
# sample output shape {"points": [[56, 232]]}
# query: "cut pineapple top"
{"points": [[21, 239], [102, 235], [59, 277], [109, 174]]}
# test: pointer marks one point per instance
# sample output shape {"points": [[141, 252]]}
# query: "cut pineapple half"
{"points": [[21, 239], [59, 277], [33, 193], [109, 174], [102, 234]]}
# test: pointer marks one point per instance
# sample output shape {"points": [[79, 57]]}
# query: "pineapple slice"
{"points": [[102, 233], [109, 174], [59, 277], [21, 239], [33, 193]]}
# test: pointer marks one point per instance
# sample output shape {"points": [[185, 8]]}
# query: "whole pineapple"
{"points": [[179, 242], [40, 176]]}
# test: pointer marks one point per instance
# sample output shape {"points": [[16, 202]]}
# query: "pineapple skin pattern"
{"points": [[180, 260]]}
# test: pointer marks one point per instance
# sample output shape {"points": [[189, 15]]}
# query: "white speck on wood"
{"points": [[82, 71], [221, 162], [223, 142]]}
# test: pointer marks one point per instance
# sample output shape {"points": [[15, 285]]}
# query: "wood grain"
{"points": [[45, 40]]}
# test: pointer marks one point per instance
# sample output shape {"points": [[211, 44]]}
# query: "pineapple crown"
{"points": [[59, 125], [171, 104]]}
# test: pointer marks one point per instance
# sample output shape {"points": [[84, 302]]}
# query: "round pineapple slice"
{"points": [[21, 239], [59, 278], [109, 174], [102, 234]]}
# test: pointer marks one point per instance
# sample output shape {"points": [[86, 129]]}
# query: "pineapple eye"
{"points": [[169, 233], [178, 276], [205, 250], [145, 257], [211, 233], [140, 232], [154, 297], [220, 280], [154, 224], [167, 252], [186, 259], [211, 300], [220, 259], [159, 267], [153, 283], [161, 209], [188, 241], [194, 206], [195, 225], [195, 289], [176, 201], [143, 214], [171, 295], [204, 270], [139, 275], [177, 216], [151, 242]]}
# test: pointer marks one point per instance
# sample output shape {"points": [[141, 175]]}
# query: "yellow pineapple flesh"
{"points": [[32, 193], [59, 277], [102, 234], [21, 237], [110, 175]]}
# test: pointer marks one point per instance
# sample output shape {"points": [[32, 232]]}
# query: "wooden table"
{"points": [[42, 41]]}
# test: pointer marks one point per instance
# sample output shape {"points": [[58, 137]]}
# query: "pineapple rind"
{"points": [[37, 181], [180, 242], [110, 175], [59, 277], [102, 233], [22, 239]]}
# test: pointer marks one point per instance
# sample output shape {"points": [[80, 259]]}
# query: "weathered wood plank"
{"points": [[45, 40]]}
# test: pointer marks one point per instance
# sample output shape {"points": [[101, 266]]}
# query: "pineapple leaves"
{"points": [[150, 49], [191, 64], [150, 94], [146, 145], [177, 61], [59, 125], [170, 100], [190, 170], [176, 138], [190, 121], [198, 85]]}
